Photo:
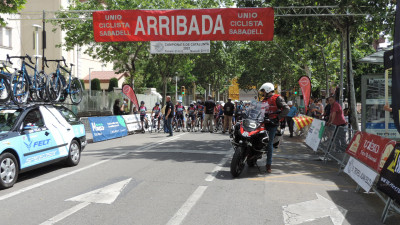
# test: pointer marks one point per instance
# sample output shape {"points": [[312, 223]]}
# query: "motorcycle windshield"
{"points": [[256, 111]]}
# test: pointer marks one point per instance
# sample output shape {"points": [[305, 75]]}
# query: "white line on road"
{"points": [[66, 213], [9, 195], [215, 171], [187, 206]]}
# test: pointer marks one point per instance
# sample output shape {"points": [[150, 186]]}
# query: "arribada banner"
{"points": [[370, 149], [223, 24], [305, 85], [130, 93]]}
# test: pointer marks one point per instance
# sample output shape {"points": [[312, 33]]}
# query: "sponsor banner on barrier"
{"points": [[361, 174], [223, 24], [179, 47], [315, 134], [389, 180], [370, 149], [108, 127]]}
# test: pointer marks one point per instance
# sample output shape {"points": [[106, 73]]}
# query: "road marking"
{"points": [[310, 183], [187, 206], [105, 195], [215, 171], [12, 194], [312, 210], [291, 175], [9, 195]]}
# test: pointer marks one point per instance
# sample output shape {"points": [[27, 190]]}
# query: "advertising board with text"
{"points": [[389, 180], [370, 149], [107, 127], [315, 133], [179, 47], [361, 174], [223, 24]]}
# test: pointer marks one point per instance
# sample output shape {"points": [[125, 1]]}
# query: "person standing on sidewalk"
{"points": [[336, 113], [289, 118], [229, 108], [209, 111], [169, 114]]}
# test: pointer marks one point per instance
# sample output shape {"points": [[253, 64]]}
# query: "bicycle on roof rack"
{"points": [[5, 76], [58, 88], [23, 85]]}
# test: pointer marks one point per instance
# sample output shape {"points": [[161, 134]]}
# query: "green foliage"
{"points": [[95, 84], [10, 6], [113, 83]]}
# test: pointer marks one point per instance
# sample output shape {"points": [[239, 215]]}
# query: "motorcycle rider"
{"points": [[274, 103]]}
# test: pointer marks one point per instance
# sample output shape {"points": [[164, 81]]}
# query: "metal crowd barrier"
{"points": [[333, 144]]}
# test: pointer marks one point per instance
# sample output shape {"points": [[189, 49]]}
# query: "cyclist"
{"points": [[179, 113], [238, 110], [200, 112], [218, 112], [142, 110], [274, 104], [191, 111], [157, 111]]}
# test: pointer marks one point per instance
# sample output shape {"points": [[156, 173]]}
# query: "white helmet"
{"points": [[267, 87]]}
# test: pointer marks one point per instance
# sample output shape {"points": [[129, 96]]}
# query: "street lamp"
{"points": [[90, 83]]}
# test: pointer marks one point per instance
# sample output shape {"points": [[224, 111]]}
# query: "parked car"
{"points": [[33, 136]]}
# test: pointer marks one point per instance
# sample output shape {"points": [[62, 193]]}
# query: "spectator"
{"points": [[118, 110], [228, 114], [336, 113], [209, 111], [327, 110], [319, 109], [311, 108], [169, 114], [289, 117]]}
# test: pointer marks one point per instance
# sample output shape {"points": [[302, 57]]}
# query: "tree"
{"points": [[95, 84], [10, 6], [113, 83]]}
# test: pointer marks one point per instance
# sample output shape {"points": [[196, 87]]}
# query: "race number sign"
{"points": [[371, 149], [225, 24], [389, 181]]}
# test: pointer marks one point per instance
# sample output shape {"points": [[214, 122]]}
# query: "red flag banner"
{"points": [[373, 150], [305, 85], [226, 24], [130, 93]]}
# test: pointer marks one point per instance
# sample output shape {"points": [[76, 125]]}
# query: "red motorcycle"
{"points": [[249, 138]]}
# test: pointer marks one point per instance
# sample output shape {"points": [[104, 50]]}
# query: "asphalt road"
{"points": [[185, 179]]}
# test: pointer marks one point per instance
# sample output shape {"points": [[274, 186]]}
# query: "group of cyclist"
{"points": [[195, 111]]}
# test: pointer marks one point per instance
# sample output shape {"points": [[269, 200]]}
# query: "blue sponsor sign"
{"points": [[379, 126], [108, 127]]}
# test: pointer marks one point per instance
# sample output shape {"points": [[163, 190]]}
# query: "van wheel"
{"points": [[74, 155], [8, 170]]}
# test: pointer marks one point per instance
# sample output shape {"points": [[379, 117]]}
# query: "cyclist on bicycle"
{"points": [[200, 112], [218, 112], [156, 114], [191, 111], [142, 110], [179, 113]]}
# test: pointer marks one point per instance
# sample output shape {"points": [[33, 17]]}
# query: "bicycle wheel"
{"points": [[5, 93], [76, 91], [20, 88], [197, 125], [161, 125], [41, 86], [54, 88]]}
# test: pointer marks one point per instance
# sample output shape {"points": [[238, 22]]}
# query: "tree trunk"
{"points": [[352, 95]]}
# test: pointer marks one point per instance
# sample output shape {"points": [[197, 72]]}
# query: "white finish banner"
{"points": [[360, 173], [179, 47], [315, 134]]}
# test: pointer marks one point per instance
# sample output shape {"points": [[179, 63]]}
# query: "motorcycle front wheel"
{"points": [[238, 162]]}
